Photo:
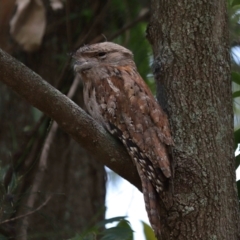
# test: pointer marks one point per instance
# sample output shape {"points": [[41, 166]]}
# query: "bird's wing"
{"points": [[134, 116]]}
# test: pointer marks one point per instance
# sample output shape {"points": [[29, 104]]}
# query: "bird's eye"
{"points": [[102, 54]]}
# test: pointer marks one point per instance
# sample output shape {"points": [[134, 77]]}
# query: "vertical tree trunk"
{"points": [[191, 63]]}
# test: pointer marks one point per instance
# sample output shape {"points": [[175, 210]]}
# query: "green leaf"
{"points": [[235, 2], [238, 188], [237, 161], [124, 223], [236, 94], [237, 137], [122, 231], [148, 232], [235, 76], [237, 141]]}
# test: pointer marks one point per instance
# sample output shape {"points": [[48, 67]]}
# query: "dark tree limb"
{"points": [[70, 117]]}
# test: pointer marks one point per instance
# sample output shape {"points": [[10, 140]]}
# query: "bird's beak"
{"points": [[81, 65]]}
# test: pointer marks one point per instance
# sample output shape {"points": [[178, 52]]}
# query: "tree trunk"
{"points": [[192, 65]]}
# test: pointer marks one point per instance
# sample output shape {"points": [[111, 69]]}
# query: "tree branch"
{"points": [[70, 117]]}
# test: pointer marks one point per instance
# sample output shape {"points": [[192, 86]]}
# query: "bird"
{"points": [[117, 97]]}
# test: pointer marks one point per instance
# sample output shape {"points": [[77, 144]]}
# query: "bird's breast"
{"points": [[92, 104]]}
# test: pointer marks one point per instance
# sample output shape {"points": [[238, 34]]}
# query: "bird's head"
{"points": [[101, 54]]}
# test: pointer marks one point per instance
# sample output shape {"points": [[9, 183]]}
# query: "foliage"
{"points": [[148, 232], [122, 231]]}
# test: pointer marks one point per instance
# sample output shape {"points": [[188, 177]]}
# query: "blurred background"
{"points": [[50, 187]]}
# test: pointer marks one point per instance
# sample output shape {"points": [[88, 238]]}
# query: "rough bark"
{"points": [[191, 64]]}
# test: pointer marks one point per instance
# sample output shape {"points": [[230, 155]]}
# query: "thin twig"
{"points": [[29, 213]]}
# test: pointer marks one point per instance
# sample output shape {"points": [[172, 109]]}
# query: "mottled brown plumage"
{"points": [[118, 98]]}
